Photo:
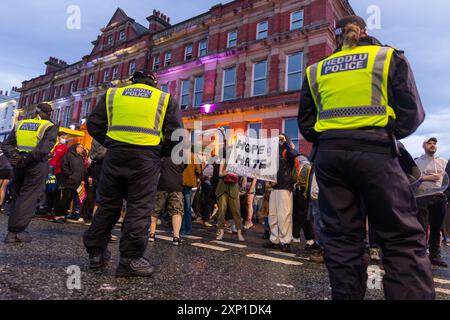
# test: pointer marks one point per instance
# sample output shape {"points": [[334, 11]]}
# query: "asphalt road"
{"points": [[199, 270]]}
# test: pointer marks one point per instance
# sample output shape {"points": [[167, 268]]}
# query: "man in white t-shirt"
{"points": [[432, 209]]}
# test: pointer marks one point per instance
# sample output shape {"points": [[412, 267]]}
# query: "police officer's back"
{"points": [[354, 104], [132, 122], [27, 148]]}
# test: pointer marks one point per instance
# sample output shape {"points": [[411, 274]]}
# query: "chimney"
{"points": [[54, 64], [1, 92], [6, 93], [158, 21]]}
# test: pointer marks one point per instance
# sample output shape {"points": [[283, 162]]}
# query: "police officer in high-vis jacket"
{"points": [[134, 123], [27, 148], [354, 104]]}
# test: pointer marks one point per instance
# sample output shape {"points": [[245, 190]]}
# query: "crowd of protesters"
{"points": [[204, 190]]}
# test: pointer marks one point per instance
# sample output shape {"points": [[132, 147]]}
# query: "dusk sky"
{"points": [[31, 31]]}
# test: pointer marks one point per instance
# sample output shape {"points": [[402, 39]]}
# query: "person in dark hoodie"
{"points": [[353, 106], [72, 175]]}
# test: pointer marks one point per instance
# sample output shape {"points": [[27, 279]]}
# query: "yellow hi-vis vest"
{"points": [[30, 132], [136, 114], [350, 89]]}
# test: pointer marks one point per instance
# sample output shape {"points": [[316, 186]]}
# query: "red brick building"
{"points": [[239, 65]]}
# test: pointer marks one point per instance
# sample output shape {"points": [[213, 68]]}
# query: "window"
{"points": [[165, 88], [229, 84], [61, 90], [156, 62], [91, 80], [254, 130], [292, 131], [262, 31], [106, 75], [110, 40], [72, 87], [86, 109], [203, 48], [294, 71], [5, 113], [168, 58], [67, 116], [260, 78], [198, 91], [55, 94], [184, 101], [132, 68], [232, 39], [297, 20], [35, 96], [122, 35], [115, 73], [188, 52], [56, 116], [44, 95]]}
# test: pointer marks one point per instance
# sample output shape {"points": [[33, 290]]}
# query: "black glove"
{"points": [[14, 160]]}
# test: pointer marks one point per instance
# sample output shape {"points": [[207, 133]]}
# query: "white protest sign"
{"points": [[255, 158]]}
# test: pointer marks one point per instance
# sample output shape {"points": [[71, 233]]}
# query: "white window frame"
{"points": [[106, 75], [198, 92], [124, 37], [168, 58], [289, 73], [72, 86], [299, 135], [292, 20], [229, 39], [67, 116], [115, 73], [110, 37], [156, 62], [182, 94], [91, 80], [205, 41], [56, 114], [186, 53], [130, 69], [61, 90], [86, 107], [224, 84], [259, 79], [259, 31]]}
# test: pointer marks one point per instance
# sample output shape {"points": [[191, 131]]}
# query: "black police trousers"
{"points": [[28, 186], [131, 175], [348, 178]]}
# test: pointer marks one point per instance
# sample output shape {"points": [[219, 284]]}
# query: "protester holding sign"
{"points": [[281, 199]]}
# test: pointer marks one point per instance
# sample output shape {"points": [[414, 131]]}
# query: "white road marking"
{"points": [[192, 237], [290, 255], [240, 246], [290, 286], [164, 238], [444, 291], [441, 281], [207, 246], [277, 260]]}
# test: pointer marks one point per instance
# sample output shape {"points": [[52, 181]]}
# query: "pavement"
{"points": [[55, 267]]}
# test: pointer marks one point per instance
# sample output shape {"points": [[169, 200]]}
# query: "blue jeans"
{"points": [[318, 223], [186, 228]]}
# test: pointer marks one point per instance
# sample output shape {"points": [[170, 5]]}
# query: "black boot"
{"points": [[23, 237], [98, 260], [436, 260], [135, 268]]}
